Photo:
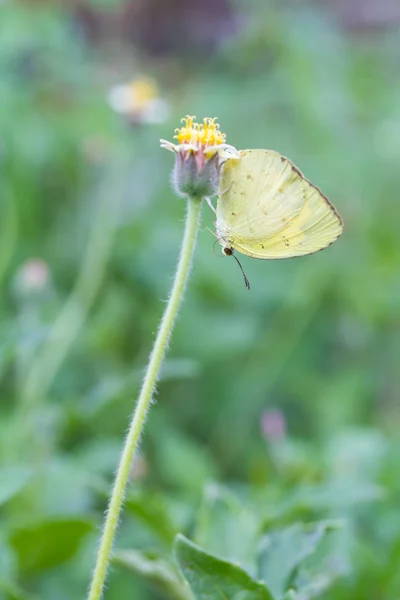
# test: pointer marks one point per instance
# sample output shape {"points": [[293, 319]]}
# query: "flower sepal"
{"points": [[200, 154]]}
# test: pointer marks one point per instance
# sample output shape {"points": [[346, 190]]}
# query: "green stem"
{"points": [[144, 401]]}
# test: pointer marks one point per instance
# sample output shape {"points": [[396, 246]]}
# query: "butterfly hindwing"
{"points": [[267, 209]]}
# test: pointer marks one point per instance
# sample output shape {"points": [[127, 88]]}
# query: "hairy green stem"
{"points": [[144, 401]]}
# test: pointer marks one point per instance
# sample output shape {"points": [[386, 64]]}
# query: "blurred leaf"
{"points": [[225, 527], [316, 586], [65, 488], [99, 457], [183, 462], [12, 591], [48, 543], [282, 551], [157, 570], [356, 451], [110, 388], [12, 481], [152, 510], [7, 561], [212, 578], [337, 494]]}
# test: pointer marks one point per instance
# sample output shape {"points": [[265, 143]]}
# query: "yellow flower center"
{"points": [[203, 134], [142, 92]]}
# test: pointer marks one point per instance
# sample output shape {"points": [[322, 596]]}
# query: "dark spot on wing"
{"points": [[249, 176], [233, 214]]}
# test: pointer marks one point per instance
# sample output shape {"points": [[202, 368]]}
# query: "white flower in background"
{"points": [[139, 101]]}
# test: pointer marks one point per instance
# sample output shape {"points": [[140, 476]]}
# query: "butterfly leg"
{"points": [[210, 204], [227, 189], [212, 232]]}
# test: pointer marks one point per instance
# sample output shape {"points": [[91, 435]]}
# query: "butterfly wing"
{"points": [[267, 209], [260, 193]]}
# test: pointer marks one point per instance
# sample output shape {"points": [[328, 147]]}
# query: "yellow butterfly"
{"points": [[267, 209]]}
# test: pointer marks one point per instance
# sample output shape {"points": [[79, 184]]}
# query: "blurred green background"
{"points": [[286, 395]]}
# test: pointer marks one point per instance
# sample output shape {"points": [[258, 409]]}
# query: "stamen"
{"points": [[203, 134]]}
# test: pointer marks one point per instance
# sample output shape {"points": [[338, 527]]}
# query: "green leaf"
{"points": [[7, 561], [224, 526], [48, 543], [283, 551], [314, 589], [184, 463], [212, 578], [157, 570], [12, 591], [316, 586], [151, 509], [12, 481]]}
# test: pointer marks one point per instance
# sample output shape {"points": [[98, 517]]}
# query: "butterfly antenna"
{"points": [[246, 281], [214, 244]]}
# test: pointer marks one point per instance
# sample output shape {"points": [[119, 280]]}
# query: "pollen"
{"points": [[200, 135]]}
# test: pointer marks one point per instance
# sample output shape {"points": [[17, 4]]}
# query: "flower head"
{"points": [[139, 101], [200, 152], [206, 135]]}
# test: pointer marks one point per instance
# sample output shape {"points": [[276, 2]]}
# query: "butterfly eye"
{"points": [[227, 251]]}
